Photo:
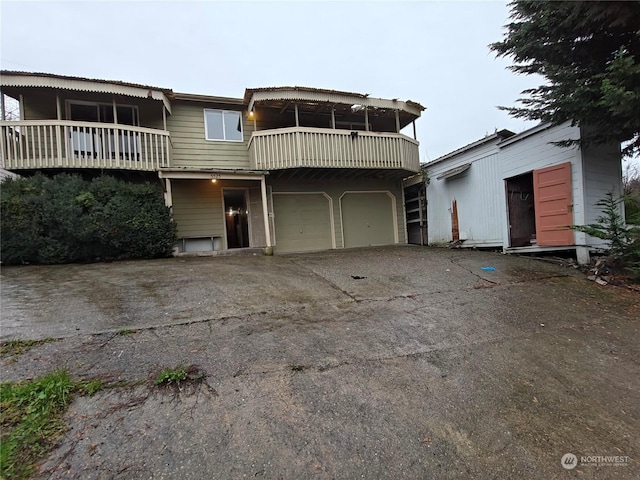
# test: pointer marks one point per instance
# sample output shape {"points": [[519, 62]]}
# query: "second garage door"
{"points": [[302, 222], [367, 219]]}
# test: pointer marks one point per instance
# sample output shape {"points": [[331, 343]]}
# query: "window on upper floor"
{"points": [[223, 125]]}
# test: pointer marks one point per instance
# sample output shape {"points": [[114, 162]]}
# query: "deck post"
{"points": [[2, 107], [297, 118], [397, 121], [415, 135], [366, 119], [265, 211], [58, 107]]}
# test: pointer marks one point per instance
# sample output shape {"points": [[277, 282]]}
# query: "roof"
{"points": [[195, 97], [315, 100], [499, 135], [335, 96], [10, 78]]}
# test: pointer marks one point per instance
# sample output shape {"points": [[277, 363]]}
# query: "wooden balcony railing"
{"points": [[36, 144], [304, 147]]}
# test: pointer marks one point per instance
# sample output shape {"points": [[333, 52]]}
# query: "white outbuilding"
{"points": [[522, 192]]}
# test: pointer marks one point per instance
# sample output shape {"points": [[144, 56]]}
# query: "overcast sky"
{"points": [[434, 53]]}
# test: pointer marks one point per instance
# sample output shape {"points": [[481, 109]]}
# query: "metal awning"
{"points": [[63, 82], [453, 172]]}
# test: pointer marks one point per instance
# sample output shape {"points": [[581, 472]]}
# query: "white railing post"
{"points": [[59, 143]]}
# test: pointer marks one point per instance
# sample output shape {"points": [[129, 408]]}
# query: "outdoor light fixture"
{"points": [[251, 114], [213, 180]]}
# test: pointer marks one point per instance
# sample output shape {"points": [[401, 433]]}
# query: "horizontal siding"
{"points": [[191, 149], [197, 208], [335, 189]]}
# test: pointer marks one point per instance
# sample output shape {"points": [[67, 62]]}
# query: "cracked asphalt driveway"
{"points": [[422, 366]]}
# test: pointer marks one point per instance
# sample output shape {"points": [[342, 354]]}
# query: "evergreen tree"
{"points": [[589, 54]]}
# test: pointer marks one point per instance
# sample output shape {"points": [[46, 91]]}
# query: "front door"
{"points": [[236, 218], [553, 205]]}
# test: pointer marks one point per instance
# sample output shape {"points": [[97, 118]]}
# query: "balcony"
{"points": [[307, 147], [41, 144]]}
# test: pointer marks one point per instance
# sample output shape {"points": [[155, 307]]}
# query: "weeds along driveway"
{"points": [[428, 367]]}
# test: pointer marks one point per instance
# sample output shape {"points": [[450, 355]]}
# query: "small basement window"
{"points": [[223, 125]]}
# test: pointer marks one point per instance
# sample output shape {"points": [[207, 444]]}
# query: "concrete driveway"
{"points": [[422, 366]]}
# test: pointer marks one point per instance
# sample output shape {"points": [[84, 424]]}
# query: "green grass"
{"points": [[31, 419], [126, 331], [172, 375], [179, 375], [90, 387], [18, 347]]}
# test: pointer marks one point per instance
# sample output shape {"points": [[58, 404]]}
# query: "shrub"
{"points": [[623, 240], [67, 219]]}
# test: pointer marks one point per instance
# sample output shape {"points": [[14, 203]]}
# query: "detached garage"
{"points": [[522, 192]]}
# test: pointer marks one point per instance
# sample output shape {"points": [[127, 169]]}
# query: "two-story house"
{"points": [[291, 168]]}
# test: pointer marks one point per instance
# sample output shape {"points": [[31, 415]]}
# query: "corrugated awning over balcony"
{"points": [[316, 99], [63, 82]]}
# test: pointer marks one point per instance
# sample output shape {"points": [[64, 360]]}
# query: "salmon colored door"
{"points": [[553, 205]]}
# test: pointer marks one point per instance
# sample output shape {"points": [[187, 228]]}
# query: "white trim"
{"points": [[331, 216], [222, 111], [394, 211], [265, 211], [217, 175]]}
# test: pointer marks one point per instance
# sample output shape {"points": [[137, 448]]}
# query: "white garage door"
{"points": [[367, 219], [302, 222]]}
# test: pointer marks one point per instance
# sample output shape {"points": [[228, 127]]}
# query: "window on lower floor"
{"points": [[223, 125]]}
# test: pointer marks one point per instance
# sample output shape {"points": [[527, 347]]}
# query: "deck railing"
{"points": [[36, 144], [305, 147]]}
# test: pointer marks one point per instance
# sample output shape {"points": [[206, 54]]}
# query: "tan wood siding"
{"points": [[197, 208], [191, 149]]}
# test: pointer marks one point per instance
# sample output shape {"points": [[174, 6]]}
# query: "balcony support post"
{"points": [[333, 117], [265, 211], [115, 109], [297, 117], [58, 107], [21, 100], [366, 119], [2, 107], [168, 196], [397, 121], [415, 135], [164, 117]]}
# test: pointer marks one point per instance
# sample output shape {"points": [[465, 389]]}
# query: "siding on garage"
{"points": [[335, 188], [477, 193], [191, 149]]}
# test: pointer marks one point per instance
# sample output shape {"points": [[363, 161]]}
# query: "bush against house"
{"points": [[67, 219]]}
